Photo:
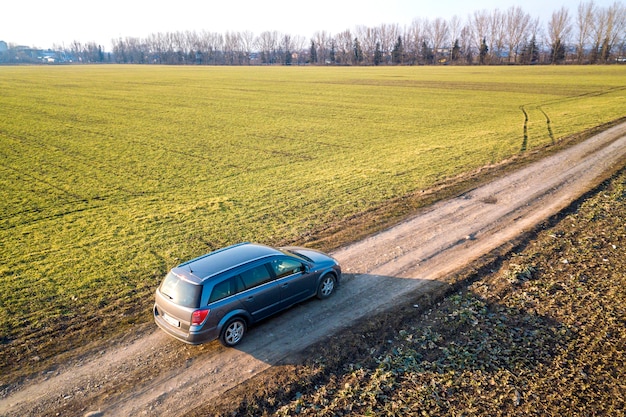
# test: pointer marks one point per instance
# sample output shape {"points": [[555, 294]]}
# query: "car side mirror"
{"points": [[305, 268]]}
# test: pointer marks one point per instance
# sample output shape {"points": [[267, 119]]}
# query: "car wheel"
{"points": [[327, 286], [233, 332]]}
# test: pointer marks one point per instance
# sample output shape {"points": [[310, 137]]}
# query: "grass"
{"points": [[113, 174], [542, 333]]}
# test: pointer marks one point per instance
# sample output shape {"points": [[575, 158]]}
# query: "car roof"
{"points": [[224, 259]]}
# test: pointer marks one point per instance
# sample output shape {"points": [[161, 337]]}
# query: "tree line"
{"points": [[589, 35]]}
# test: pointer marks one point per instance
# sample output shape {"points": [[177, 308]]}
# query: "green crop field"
{"points": [[110, 175]]}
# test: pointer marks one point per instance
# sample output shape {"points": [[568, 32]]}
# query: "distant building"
{"points": [[48, 57], [3, 46]]}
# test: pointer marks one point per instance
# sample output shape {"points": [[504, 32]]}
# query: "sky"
{"points": [[44, 23]]}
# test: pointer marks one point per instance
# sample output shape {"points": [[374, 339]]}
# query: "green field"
{"points": [[113, 174]]}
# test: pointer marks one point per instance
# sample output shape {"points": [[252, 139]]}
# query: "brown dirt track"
{"points": [[150, 374]]}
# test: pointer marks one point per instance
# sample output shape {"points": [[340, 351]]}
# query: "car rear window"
{"points": [[180, 291], [222, 290]]}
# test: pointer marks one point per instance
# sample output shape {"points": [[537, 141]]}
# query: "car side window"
{"points": [[256, 276], [223, 289], [283, 267]]}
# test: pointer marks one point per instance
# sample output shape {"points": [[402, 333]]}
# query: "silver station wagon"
{"points": [[220, 294]]}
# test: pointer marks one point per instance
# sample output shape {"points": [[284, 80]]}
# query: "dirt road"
{"points": [[155, 375]]}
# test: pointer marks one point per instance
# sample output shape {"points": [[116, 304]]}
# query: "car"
{"points": [[221, 294]]}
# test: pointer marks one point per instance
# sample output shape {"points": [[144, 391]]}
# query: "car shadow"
{"points": [[443, 327], [358, 297]]}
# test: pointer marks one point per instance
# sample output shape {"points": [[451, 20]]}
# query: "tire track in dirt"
{"points": [[525, 140], [548, 124], [154, 375], [524, 146]]}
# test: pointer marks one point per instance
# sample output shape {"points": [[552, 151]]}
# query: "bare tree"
{"points": [[246, 39], [415, 35], [620, 48], [231, 48], [598, 32], [584, 26], [479, 24], [344, 44], [615, 28], [156, 47], [214, 47], [299, 44], [322, 40], [438, 32], [165, 51], [517, 24], [134, 50], [559, 30], [287, 49], [267, 43], [367, 37], [497, 35], [387, 36], [193, 43], [534, 28], [178, 47], [455, 25], [465, 43]]}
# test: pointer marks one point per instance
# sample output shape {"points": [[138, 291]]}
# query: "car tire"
{"points": [[327, 286], [233, 331]]}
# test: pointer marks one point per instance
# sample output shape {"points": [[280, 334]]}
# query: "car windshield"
{"points": [[294, 253], [180, 291]]}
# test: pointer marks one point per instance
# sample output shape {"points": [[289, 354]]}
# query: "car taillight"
{"points": [[198, 316]]}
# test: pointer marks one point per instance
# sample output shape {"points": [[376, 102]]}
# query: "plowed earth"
{"points": [[410, 264]]}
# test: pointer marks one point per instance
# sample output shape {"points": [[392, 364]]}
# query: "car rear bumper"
{"points": [[193, 338]]}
